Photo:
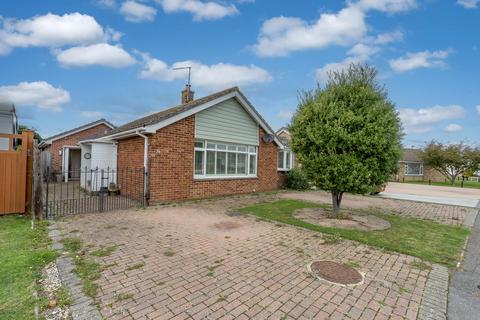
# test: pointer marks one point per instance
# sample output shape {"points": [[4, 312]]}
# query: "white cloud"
{"points": [[210, 77], [391, 6], [422, 59], [453, 127], [102, 54], [40, 94], [201, 10], [285, 115], [137, 12], [51, 31], [478, 109], [388, 37], [421, 120], [281, 35], [107, 3], [468, 4], [92, 114], [357, 54]]}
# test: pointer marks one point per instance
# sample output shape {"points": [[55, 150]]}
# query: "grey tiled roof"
{"points": [[411, 155], [170, 112], [90, 124]]}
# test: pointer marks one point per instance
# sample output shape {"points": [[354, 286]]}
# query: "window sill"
{"points": [[284, 170], [413, 175], [205, 178]]}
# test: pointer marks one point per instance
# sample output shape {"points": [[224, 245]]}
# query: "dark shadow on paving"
{"points": [[464, 292]]}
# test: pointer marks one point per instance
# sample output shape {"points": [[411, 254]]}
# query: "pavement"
{"points": [[463, 197], [464, 292]]}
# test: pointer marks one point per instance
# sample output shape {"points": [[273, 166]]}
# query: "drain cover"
{"points": [[336, 272]]}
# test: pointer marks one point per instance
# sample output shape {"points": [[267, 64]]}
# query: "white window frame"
{"points": [[226, 175], [413, 174], [287, 153]]}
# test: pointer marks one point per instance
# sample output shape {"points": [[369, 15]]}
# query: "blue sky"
{"points": [[65, 63]]}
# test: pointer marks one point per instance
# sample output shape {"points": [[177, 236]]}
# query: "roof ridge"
{"points": [[102, 120]]}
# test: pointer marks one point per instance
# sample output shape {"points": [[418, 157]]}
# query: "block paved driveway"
{"points": [[193, 261]]}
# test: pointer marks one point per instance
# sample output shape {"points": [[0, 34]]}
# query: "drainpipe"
{"points": [[145, 166]]}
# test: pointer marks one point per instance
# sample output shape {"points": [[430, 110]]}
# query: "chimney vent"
{"points": [[187, 94]]}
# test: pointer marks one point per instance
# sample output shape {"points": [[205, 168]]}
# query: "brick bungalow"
{"points": [[216, 145], [411, 168], [61, 152]]}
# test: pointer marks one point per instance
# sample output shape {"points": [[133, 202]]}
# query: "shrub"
{"points": [[297, 180]]}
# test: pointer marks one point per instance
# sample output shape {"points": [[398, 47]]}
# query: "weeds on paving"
{"points": [[104, 251], [425, 239], [87, 269], [23, 254]]}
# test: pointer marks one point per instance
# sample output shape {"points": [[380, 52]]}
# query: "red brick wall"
{"points": [[72, 140], [130, 166], [171, 152]]}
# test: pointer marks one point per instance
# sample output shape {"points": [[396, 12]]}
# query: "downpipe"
{"points": [[145, 166]]}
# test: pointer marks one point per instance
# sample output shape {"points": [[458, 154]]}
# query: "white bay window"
{"points": [[222, 160]]}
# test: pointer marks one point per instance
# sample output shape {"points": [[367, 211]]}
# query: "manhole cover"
{"points": [[335, 272]]}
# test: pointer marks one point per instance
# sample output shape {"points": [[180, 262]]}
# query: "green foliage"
{"points": [[36, 135], [23, 254], [451, 160], [347, 135], [425, 239], [297, 180], [104, 251]]}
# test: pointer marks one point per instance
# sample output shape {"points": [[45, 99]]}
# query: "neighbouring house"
{"points": [[286, 158], [8, 123], [215, 145], [411, 168], [62, 152]]}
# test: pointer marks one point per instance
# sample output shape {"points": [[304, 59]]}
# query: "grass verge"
{"points": [[23, 254], [420, 238]]}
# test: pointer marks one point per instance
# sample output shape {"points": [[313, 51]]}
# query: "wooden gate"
{"points": [[15, 172]]}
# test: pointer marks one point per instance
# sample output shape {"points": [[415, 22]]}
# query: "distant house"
{"points": [[411, 168], [215, 145], [62, 152], [286, 158], [8, 123]]}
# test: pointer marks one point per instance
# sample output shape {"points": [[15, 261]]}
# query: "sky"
{"points": [[67, 63]]}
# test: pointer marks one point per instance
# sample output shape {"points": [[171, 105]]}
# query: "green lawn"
{"points": [[23, 253], [420, 238], [458, 184]]}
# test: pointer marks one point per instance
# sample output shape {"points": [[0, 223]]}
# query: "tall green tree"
{"points": [[347, 134], [451, 160]]}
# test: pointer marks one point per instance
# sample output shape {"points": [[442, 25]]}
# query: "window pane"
{"points": [[198, 144], [242, 148], [210, 162], [221, 147], [413, 168], [232, 163], [210, 145], [280, 159], [232, 148], [251, 149], [241, 163], [287, 160], [221, 162], [198, 162], [253, 164]]}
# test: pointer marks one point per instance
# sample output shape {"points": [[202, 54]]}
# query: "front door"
{"points": [[74, 164]]}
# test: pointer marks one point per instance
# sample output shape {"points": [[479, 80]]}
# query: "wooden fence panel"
{"points": [[13, 173]]}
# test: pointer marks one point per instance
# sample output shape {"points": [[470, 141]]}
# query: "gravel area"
{"points": [[51, 284]]}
